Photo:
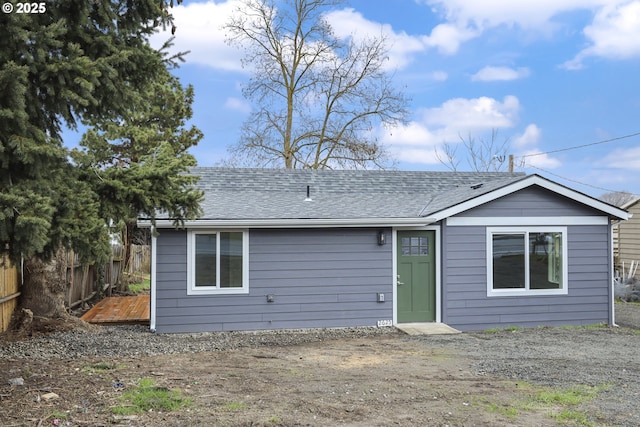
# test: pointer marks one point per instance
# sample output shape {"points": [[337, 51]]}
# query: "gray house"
{"points": [[304, 249]]}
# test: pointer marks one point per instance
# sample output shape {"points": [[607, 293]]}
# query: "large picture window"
{"points": [[218, 262], [526, 261]]}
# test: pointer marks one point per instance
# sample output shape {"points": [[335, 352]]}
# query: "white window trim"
{"points": [[522, 292], [216, 290]]}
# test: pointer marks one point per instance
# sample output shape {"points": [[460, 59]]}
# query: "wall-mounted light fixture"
{"points": [[382, 238]]}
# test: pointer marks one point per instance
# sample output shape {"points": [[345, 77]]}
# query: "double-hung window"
{"points": [[526, 261], [217, 262]]}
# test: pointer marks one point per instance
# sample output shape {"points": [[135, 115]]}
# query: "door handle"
{"points": [[398, 282]]}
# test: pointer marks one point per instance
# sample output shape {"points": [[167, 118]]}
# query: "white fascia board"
{"points": [[292, 223], [526, 221], [528, 182]]}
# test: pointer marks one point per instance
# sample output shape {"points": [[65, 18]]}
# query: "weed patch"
{"points": [[567, 397], [567, 416], [560, 403], [147, 396], [234, 406], [141, 287], [506, 329], [582, 327], [99, 367]]}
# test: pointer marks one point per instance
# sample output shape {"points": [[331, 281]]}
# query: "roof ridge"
{"points": [[362, 171]]}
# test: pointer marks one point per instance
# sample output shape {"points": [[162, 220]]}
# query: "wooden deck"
{"points": [[120, 310]]}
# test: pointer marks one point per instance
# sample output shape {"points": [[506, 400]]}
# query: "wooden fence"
{"points": [[84, 282], [9, 292], [140, 259]]}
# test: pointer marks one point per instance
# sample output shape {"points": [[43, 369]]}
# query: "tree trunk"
{"points": [[45, 284], [127, 241]]}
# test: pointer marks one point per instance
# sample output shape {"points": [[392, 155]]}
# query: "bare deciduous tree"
{"points": [[481, 155], [317, 98], [618, 198]]}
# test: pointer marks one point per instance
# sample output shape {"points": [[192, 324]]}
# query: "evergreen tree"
{"points": [[137, 164], [88, 63]]}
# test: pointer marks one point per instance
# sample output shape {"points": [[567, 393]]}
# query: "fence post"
{"points": [[85, 276], [73, 264], [109, 273], [9, 291]]}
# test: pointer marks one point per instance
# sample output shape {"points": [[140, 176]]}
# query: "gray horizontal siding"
{"points": [[465, 302], [467, 307], [531, 201], [629, 240], [319, 278]]}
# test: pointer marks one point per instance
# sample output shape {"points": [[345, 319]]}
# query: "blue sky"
{"points": [[547, 74]]}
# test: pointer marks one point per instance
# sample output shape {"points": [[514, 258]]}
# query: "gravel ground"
{"points": [[559, 357], [628, 315], [135, 340], [126, 341]]}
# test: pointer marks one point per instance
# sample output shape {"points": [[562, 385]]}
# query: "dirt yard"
{"points": [[503, 378]]}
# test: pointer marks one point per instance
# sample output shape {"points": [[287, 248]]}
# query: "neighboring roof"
{"points": [[368, 196], [630, 203]]}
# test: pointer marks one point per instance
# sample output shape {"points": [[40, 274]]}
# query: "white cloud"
{"points": [[614, 34], [447, 38], [413, 134], [422, 156], [527, 14], [626, 159], [490, 74], [199, 30], [543, 161], [349, 23], [439, 76], [416, 141], [463, 118], [470, 115], [236, 104], [530, 137], [531, 155]]}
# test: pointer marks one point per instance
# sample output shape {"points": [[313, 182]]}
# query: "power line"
{"points": [[581, 146], [608, 190]]}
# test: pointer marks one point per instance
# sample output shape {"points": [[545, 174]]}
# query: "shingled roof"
{"points": [[257, 194]]}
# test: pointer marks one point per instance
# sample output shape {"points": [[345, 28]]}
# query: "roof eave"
{"points": [[528, 181], [292, 223]]}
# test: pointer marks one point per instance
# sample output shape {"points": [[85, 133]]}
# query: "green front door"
{"points": [[416, 296]]}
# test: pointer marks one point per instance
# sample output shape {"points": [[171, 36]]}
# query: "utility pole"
{"points": [[510, 163]]}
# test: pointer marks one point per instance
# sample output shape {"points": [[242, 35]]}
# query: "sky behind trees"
{"points": [[547, 74]]}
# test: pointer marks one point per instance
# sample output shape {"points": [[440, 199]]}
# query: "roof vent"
{"points": [[476, 186], [308, 198]]}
